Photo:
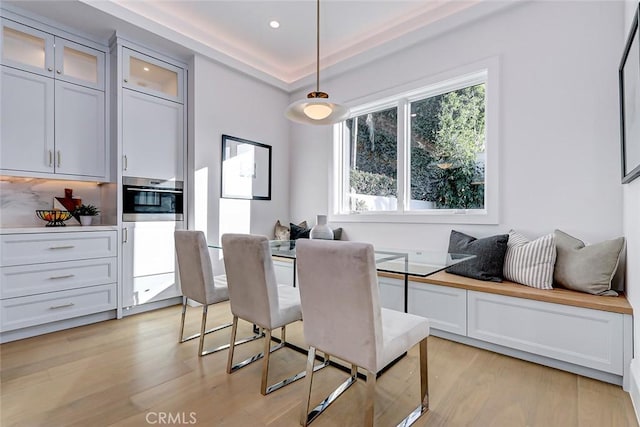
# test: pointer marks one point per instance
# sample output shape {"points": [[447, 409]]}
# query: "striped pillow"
{"points": [[530, 262]]}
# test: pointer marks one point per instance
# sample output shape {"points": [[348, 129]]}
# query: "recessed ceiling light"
{"points": [[274, 24], [146, 68]]}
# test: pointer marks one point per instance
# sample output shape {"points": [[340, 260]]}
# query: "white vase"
{"points": [[321, 230], [85, 219]]}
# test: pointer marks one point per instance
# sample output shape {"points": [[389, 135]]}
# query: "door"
{"points": [[26, 48], [27, 131], [75, 63], [79, 131], [149, 262], [152, 137]]}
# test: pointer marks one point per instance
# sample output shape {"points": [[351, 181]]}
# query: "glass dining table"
{"points": [[405, 262]]}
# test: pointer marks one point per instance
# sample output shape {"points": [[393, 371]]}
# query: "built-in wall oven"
{"points": [[146, 199]]}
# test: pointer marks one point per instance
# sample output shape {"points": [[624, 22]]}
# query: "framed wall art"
{"points": [[629, 81], [246, 169]]}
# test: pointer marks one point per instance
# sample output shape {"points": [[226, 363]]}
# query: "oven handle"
{"points": [[155, 190]]}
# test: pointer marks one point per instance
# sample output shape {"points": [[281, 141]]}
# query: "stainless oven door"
{"points": [[152, 200]]}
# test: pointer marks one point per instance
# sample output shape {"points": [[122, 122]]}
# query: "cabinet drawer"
{"points": [[20, 249], [586, 337], [33, 279], [445, 307], [38, 309], [152, 288]]}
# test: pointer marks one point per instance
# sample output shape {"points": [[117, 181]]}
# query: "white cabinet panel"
{"points": [[43, 308], [20, 249], [152, 137], [34, 279], [445, 307], [586, 337], [149, 262], [391, 293], [80, 131], [27, 131], [284, 271]]}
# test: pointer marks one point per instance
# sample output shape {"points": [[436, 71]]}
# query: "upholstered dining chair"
{"points": [[199, 284], [342, 316], [256, 297]]}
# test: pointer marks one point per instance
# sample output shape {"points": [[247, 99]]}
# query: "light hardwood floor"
{"points": [[132, 372]]}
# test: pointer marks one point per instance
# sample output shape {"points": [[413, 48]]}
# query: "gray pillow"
{"points": [[587, 269], [489, 251]]}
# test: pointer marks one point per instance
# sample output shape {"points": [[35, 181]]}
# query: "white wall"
{"points": [[559, 157], [631, 227], [227, 102]]}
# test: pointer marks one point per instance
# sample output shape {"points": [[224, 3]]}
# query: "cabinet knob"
{"points": [[58, 71], [126, 80], [50, 69]]}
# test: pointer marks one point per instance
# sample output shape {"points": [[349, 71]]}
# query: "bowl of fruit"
{"points": [[55, 217]]}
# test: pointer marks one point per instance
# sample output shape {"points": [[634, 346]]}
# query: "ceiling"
{"points": [[238, 34]]}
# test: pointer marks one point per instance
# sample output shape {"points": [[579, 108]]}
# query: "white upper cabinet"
{"points": [[53, 106], [152, 137], [27, 48], [26, 115], [152, 76], [79, 64], [79, 134]]}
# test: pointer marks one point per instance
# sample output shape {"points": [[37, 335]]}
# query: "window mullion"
{"points": [[403, 156]]}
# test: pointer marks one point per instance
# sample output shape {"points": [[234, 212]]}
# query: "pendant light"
{"points": [[317, 109]]}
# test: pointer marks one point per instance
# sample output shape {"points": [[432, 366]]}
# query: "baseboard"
{"points": [[634, 387], [142, 308]]}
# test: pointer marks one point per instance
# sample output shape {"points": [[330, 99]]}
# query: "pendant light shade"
{"points": [[317, 109]]}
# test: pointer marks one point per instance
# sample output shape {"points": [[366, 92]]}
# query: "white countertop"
{"points": [[67, 228]]}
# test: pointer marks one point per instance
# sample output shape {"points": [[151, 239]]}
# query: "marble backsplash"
{"points": [[21, 197]]}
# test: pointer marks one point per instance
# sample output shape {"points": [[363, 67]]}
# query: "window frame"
{"points": [[487, 72]]}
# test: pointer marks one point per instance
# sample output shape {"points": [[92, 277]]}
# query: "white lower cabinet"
{"points": [[445, 307], [391, 293], [582, 336], [55, 276], [148, 262]]}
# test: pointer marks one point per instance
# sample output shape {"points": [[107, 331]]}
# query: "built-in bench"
{"points": [[581, 333]]}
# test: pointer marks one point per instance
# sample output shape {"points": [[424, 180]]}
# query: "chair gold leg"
{"points": [[265, 361], [369, 409], [306, 399], [424, 388], [203, 328], [234, 331], [424, 375], [184, 313]]}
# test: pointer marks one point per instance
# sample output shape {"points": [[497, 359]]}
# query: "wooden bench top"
{"points": [[617, 304]]}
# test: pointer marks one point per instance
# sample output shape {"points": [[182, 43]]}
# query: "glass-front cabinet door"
{"points": [[150, 75], [79, 64], [26, 48]]}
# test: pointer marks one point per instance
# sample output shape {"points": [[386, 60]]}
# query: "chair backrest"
{"points": [[194, 267], [251, 278], [340, 299]]}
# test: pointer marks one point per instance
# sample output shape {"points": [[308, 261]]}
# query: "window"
{"points": [[419, 156]]}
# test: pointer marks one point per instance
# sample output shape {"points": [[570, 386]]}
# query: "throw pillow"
{"points": [[530, 262], [337, 234], [281, 232], [299, 231], [489, 252], [587, 269]]}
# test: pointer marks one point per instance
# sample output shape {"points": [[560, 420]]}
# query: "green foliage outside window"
{"points": [[447, 139]]}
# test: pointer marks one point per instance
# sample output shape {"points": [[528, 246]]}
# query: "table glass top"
{"points": [[402, 261]]}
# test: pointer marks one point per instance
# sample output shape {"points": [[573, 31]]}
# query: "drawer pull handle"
{"points": [[66, 276], [55, 307], [62, 247]]}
